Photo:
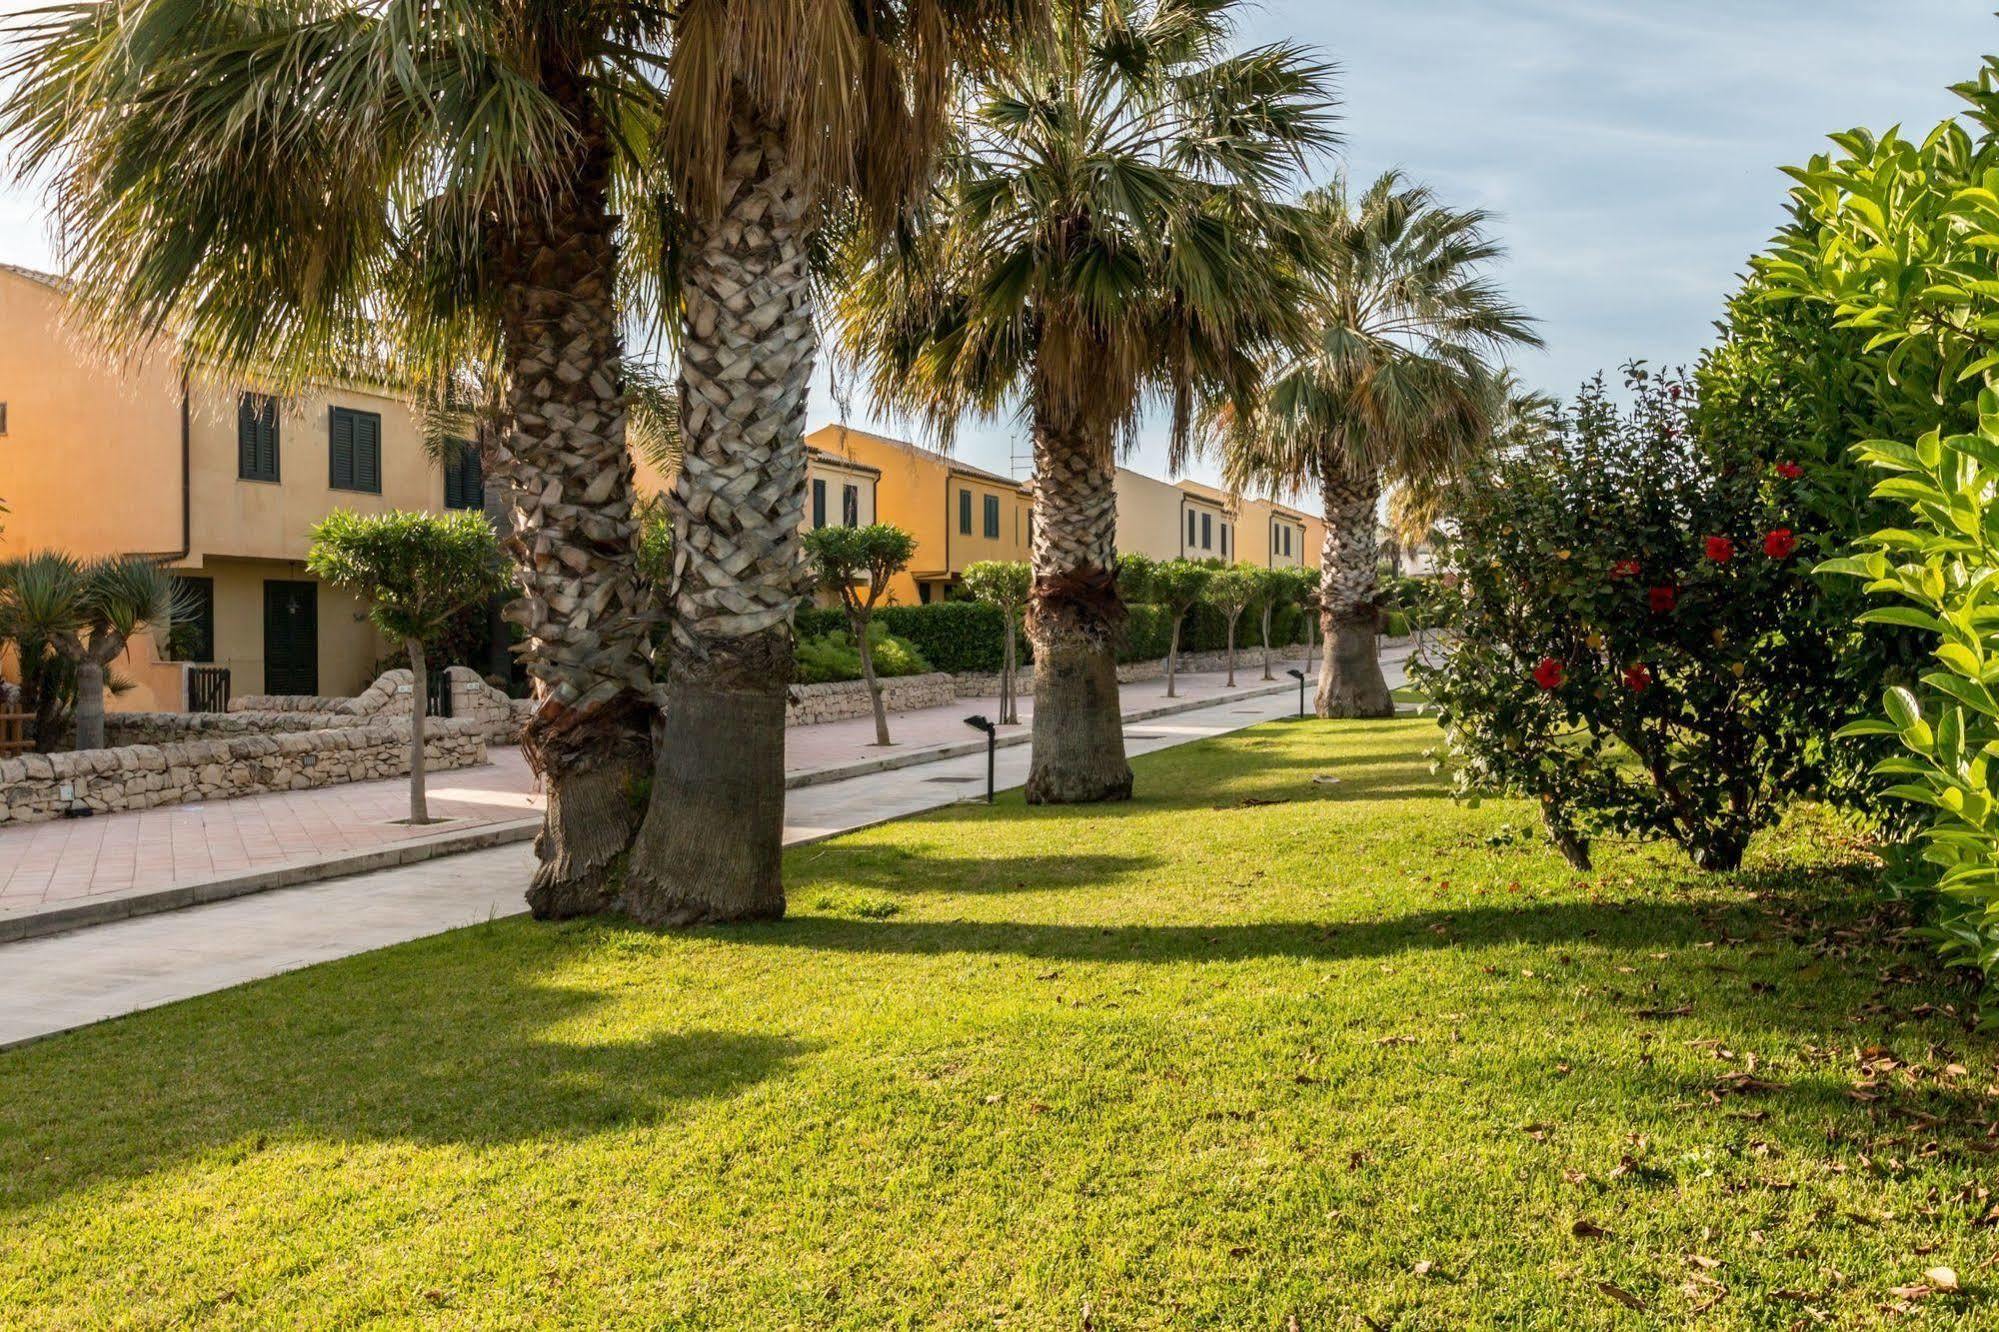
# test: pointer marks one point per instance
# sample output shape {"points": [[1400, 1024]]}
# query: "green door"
{"points": [[291, 637]]}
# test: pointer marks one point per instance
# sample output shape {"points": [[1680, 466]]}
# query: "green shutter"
{"points": [[340, 469], [256, 437]]}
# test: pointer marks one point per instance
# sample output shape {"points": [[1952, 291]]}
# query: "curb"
{"points": [[111, 907], [106, 909]]}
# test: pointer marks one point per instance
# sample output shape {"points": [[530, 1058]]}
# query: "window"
{"points": [[850, 505], [965, 512], [1190, 529], [1207, 531], [464, 476], [1288, 533], [992, 517], [256, 437], [818, 503], [192, 637], [3, 418], [355, 451], [1225, 540]]}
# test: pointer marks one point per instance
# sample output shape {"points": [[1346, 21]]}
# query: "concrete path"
{"points": [[71, 873], [52, 984]]}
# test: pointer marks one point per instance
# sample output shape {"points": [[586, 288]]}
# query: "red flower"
{"points": [[1637, 676], [1790, 471], [1550, 673], [1779, 544], [1663, 599], [1624, 569], [1720, 549]]}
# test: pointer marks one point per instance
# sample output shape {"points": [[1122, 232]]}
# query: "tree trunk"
{"points": [[712, 842], [89, 702], [1173, 655], [562, 460], [867, 652], [1231, 679], [1269, 613], [1072, 620], [1350, 680], [1010, 676], [419, 704]]}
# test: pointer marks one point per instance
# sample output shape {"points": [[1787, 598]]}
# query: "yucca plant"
{"points": [[1108, 236], [1395, 386], [86, 613], [307, 188]]}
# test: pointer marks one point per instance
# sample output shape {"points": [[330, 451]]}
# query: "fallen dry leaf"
{"points": [[1943, 1278], [1621, 1295], [1586, 1229], [1423, 1268]]}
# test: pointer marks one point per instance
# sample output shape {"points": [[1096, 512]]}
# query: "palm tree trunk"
{"points": [[1072, 619], [419, 704], [712, 842], [1350, 680], [89, 702], [562, 457]]}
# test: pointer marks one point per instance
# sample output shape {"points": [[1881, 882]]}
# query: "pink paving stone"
{"points": [[158, 848]]}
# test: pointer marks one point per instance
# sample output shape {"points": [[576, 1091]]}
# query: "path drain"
{"points": [[954, 781]]}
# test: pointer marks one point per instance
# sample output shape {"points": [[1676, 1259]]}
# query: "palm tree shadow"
{"points": [[894, 868], [473, 1052]]}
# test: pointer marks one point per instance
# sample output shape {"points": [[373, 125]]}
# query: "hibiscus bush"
{"points": [[1637, 637]]}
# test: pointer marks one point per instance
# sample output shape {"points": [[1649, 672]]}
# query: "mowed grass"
{"points": [[1253, 1049]]}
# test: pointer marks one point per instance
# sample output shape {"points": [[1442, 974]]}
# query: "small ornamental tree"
{"points": [[416, 571], [1004, 584], [1179, 586], [1233, 591], [1302, 588], [1637, 643], [857, 563], [1273, 590]]}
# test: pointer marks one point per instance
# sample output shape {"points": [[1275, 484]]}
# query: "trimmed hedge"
{"points": [[969, 637]]}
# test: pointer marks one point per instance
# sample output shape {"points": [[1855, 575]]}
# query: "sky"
{"points": [[1629, 148]]}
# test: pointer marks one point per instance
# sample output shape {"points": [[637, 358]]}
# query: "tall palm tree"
{"points": [[1394, 387], [297, 187], [1106, 237]]}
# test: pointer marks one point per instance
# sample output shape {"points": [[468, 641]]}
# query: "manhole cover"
{"points": [[954, 781], [1142, 735]]}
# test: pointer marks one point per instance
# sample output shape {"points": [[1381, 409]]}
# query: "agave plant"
{"points": [[1107, 237]]}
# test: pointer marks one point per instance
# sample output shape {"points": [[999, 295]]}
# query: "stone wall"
{"points": [[814, 703], [144, 776], [1131, 672], [472, 699]]}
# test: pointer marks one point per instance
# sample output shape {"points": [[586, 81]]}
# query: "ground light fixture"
{"points": [[979, 723], [1299, 676]]}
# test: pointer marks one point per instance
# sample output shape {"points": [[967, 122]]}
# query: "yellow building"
{"points": [[958, 514], [100, 458], [1188, 520]]}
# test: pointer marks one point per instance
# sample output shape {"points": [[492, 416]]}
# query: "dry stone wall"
{"points": [[32, 786], [812, 704]]}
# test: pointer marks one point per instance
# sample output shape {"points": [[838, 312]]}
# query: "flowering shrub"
{"points": [[1637, 646]]}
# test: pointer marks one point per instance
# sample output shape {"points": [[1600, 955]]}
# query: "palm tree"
{"points": [[1393, 387], [298, 188], [86, 613], [1106, 238]]}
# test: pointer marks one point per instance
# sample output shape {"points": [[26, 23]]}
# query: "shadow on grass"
{"points": [[896, 869], [456, 1045]]}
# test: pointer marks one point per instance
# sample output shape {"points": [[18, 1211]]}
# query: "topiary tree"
{"points": [[1273, 589], [1301, 589], [857, 563], [416, 571], [1233, 591], [1005, 584], [1179, 586]]}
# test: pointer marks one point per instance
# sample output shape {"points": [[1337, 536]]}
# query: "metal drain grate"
{"points": [[954, 781], [1143, 735]]}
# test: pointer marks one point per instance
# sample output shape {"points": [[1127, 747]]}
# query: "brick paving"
{"points": [[48, 865]]}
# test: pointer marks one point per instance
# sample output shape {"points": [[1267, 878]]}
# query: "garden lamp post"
{"points": [[979, 723], [1299, 676]]}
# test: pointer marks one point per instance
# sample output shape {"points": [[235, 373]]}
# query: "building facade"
{"points": [[101, 458]]}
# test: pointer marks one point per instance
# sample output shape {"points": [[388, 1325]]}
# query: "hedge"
{"points": [[968, 637]]}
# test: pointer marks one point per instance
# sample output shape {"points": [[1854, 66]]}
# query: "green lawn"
{"points": [[1251, 1049]]}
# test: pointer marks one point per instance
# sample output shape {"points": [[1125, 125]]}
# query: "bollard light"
{"points": [[979, 723], [1299, 676]]}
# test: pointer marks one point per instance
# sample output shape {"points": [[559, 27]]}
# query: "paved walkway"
{"points": [[52, 984], [48, 866]]}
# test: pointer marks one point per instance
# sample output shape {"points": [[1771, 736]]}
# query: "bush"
{"points": [[1638, 644], [833, 656]]}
